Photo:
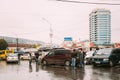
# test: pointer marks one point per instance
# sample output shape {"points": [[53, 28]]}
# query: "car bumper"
{"points": [[12, 60], [101, 62]]}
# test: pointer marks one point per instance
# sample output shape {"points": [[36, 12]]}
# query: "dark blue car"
{"points": [[107, 56]]}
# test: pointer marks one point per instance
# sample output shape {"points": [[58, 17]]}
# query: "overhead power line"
{"points": [[89, 2]]}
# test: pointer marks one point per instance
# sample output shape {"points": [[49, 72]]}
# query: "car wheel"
{"points": [[67, 63], [44, 62], [111, 64]]}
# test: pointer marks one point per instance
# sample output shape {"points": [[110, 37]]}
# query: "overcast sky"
{"points": [[31, 19]]}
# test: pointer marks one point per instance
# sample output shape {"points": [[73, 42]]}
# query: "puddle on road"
{"points": [[24, 71]]}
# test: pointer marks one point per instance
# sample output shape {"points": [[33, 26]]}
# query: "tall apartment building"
{"points": [[100, 26]]}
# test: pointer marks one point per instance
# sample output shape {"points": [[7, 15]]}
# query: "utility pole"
{"points": [[51, 31], [51, 35], [17, 44]]}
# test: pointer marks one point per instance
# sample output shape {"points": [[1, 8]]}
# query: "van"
{"points": [[58, 56], [107, 56]]}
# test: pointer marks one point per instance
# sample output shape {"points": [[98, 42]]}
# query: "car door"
{"points": [[50, 58], [57, 57], [61, 56]]}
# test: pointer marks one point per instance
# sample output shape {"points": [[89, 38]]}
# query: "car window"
{"points": [[59, 52], [116, 51], [66, 52], [62, 52]]}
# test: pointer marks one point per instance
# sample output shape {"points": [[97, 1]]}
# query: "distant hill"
{"points": [[12, 40]]}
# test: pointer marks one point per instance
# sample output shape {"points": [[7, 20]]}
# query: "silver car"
{"points": [[25, 56], [12, 58]]}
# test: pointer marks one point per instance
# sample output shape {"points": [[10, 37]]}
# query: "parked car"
{"points": [[12, 58], [25, 56], [58, 56], [43, 52], [107, 56], [88, 57]]}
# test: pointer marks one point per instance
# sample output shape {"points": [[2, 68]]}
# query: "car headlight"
{"points": [[92, 59], [105, 59]]}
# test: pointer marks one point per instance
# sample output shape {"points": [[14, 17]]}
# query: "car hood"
{"points": [[89, 56], [101, 56]]}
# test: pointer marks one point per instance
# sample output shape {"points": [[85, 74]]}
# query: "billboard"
{"points": [[67, 38]]}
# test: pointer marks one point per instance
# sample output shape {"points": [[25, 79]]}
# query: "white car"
{"points": [[25, 56], [12, 58]]}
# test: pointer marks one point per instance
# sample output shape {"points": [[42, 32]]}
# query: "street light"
{"points": [[51, 32], [17, 41]]}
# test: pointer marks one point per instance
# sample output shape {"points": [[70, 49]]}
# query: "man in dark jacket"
{"points": [[81, 57], [30, 60], [74, 55], [37, 57]]}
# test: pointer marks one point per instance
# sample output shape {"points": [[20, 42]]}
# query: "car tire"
{"points": [[67, 63], [44, 62]]}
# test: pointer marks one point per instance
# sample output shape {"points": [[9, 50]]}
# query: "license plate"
{"points": [[97, 62]]}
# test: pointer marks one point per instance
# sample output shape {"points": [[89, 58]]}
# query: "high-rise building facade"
{"points": [[100, 26]]}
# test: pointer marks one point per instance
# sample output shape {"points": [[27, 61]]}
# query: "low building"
{"points": [[16, 43]]}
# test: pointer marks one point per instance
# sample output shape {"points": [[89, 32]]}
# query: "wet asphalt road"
{"points": [[23, 71]]}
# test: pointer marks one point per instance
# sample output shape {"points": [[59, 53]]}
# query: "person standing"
{"points": [[37, 57], [81, 57], [19, 57], [74, 55], [30, 60]]}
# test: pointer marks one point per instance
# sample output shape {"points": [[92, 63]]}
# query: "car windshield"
{"points": [[89, 53], [105, 51], [50, 53]]}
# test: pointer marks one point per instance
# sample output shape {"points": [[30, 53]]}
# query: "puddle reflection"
{"points": [[31, 68], [65, 73]]}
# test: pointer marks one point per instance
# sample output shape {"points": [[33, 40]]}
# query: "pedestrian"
{"points": [[19, 57], [74, 55], [37, 57], [30, 68], [30, 60], [81, 57]]}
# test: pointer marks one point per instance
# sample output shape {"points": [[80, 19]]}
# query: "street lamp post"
{"points": [[17, 43], [51, 32]]}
